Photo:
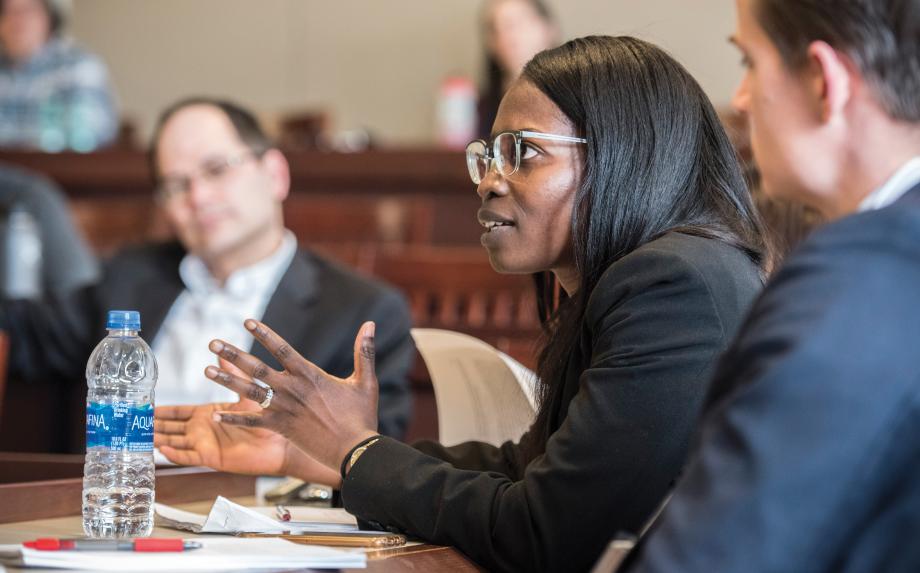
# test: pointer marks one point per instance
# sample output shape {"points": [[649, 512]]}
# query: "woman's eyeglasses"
{"points": [[505, 152]]}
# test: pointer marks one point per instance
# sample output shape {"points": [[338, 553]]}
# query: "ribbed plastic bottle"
{"points": [[118, 478]]}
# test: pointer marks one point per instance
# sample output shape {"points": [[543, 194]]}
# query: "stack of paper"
{"points": [[228, 517], [216, 554]]}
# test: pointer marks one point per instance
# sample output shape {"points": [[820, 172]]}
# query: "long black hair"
{"points": [[657, 160]]}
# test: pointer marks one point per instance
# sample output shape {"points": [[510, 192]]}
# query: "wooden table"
{"points": [[51, 509]]}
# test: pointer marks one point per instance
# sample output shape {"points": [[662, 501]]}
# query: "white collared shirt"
{"points": [[903, 180], [205, 310]]}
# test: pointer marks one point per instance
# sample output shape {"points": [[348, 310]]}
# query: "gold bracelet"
{"points": [[357, 454]]}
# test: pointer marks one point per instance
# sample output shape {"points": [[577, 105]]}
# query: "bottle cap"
{"points": [[123, 320]]}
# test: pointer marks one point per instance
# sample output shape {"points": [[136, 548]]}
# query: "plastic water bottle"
{"points": [[52, 135], [118, 478], [456, 112], [80, 134]]}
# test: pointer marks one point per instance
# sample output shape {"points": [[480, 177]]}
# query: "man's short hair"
{"points": [[244, 123], [882, 37]]}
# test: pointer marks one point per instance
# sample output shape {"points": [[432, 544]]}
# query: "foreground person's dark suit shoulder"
{"points": [[811, 461], [654, 327], [317, 307]]}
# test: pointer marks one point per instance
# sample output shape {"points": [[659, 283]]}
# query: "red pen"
{"points": [[152, 544]]}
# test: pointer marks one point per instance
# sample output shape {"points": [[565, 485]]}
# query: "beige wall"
{"points": [[374, 63]]}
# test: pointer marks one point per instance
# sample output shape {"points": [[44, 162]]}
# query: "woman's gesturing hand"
{"points": [[324, 416]]}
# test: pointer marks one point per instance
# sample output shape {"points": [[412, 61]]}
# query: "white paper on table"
{"points": [[215, 554], [228, 517], [314, 516], [482, 393]]}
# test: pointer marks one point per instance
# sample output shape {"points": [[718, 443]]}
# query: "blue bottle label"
{"points": [[119, 426]]}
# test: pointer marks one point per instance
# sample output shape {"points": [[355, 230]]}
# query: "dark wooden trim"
{"points": [[22, 467], [60, 498], [401, 171]]}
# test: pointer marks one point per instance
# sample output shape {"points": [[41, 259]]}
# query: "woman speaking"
{"points": [[609, 175]]}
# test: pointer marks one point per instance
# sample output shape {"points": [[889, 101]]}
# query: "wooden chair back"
{"points": [[457, 289], [337, 218]]}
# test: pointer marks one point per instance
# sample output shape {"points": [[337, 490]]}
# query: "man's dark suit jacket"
{"points": [[653, 329], [318, 307], [810, 459]]}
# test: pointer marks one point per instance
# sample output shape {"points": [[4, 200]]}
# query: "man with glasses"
{"points": [[220, 184]]}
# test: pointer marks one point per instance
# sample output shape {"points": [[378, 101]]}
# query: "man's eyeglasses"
{"points": [[211, 171], [504, 152]]}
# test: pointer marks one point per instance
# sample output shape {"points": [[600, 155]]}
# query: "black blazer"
{"points": [[653, 329], [810, 461], [318, 307]]}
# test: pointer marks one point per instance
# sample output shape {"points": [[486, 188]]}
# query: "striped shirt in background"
{"points": [[60, 99]]}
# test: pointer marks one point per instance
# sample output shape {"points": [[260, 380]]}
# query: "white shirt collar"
{"points": [[243, 282], [903, 180]]}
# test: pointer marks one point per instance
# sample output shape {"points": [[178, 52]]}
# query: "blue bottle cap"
{"points": [[123, 320]]}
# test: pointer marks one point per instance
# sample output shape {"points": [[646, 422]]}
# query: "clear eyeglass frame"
{"points": [[505, 152], [171, 188]]}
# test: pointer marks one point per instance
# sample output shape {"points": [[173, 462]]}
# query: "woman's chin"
{"points": [[501, 264]]}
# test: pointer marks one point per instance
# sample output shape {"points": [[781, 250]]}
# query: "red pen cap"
{"points": [[152, 544], [48, 544]]}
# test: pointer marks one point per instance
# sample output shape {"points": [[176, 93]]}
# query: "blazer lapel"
{"points": [[286, 311], [912, 195], [152, 292], [154, 302]]}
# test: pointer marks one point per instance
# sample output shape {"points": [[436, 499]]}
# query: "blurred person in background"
{"points": [[54, 95], [62, 261], [514, 31], [220, 184]]}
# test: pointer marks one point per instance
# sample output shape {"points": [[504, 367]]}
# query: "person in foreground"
{"points": [[810, 460], [609, 173]]}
